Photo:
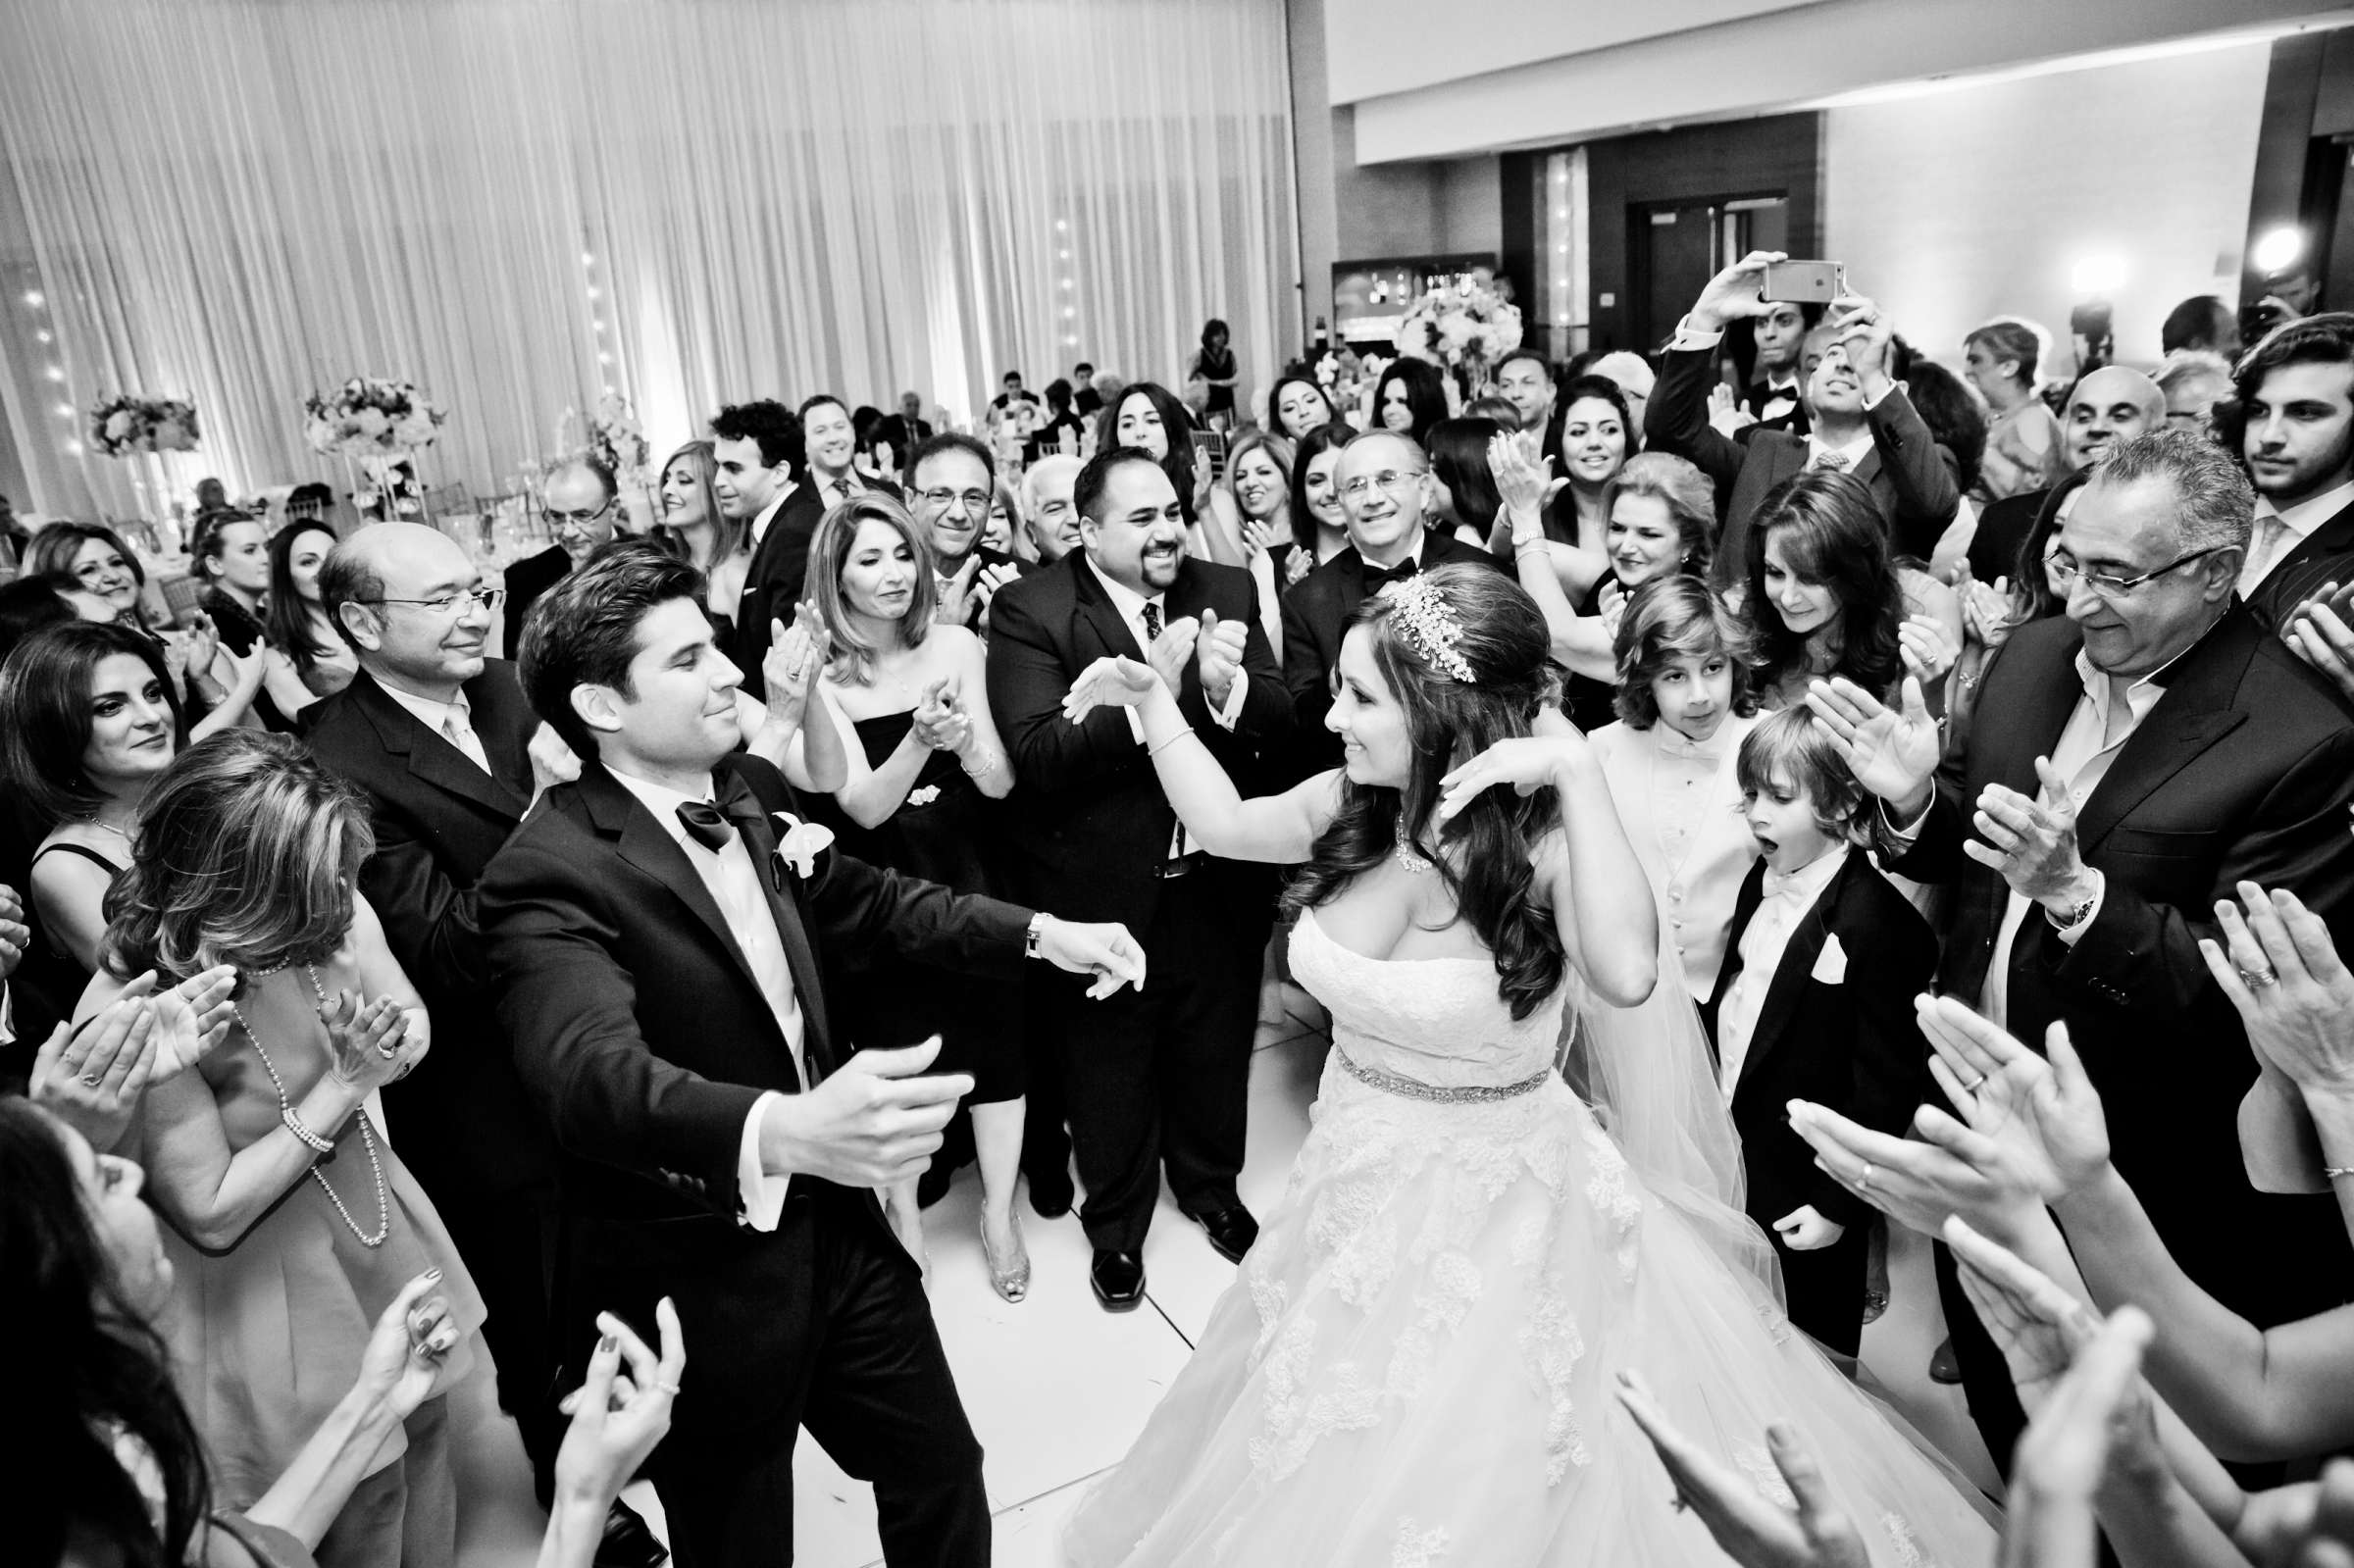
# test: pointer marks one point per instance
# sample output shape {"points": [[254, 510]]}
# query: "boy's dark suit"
{"points": [[1838, 1030]]}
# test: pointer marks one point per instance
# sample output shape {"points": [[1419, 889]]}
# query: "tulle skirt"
{"points": [[1416, 1366]]}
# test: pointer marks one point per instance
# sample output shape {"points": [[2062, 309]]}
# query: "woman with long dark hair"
{"points": [[1463, 1256], [695, 528], [1409, 397], [308, 659], [1215, 369], [1320, 522], [1297, 404], [1466, 498], [110, 584], [1147, 415]]}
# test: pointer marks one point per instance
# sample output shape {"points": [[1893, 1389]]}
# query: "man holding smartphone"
{"points": [[1858, 419]]}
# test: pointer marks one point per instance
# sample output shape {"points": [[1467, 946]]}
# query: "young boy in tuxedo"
{"points": [[1814, 1003]]}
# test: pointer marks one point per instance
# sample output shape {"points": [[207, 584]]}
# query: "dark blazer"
{"points": [[1910, 476], [2003, 527], [2243, 769], [2326, 556], [1854, 1046], [644, 1041], [1315, 615], [1091, 826], [439, 821], [527, 579], [772, 585]]}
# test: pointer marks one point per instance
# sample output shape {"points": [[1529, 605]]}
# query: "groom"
{"points": [[661, 947]]}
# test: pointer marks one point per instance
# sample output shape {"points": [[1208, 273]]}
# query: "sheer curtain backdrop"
{"points": [[240, 201]]}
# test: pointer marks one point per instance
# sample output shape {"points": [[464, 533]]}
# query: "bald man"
{"points": [[439, 737], [576, 502], [2105, 410]]}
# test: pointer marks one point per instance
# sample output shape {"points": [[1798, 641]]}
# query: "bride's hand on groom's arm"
{"points": [[876, 1122], [1752, 1529]]}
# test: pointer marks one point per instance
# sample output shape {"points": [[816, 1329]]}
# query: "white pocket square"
{"points": [[1831, 965], [802, 842]]}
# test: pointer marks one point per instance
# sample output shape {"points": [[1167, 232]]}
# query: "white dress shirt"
{"points": [[768, 513], [1781, 397], [1852, 451], [454, 721], [2278, 531], [733, 881], [1763, 942], [1680, 803], [1131, 606]]}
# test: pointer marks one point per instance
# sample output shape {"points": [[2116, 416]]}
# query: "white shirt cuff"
{"points": [[1870, 403], [1227, 715], [1689, 338], [762, 1193], [8, 1014], [1136, 724], [2071, 934], [1903, 837]]}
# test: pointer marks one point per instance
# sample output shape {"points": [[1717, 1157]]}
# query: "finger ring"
{"points": [[669, 1389], [1864, 1180], [91, 1080], [1973, 1087], [387, 1051], [2258, 979]]}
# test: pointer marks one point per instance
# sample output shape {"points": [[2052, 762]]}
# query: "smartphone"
{"points": [[1804, 282], [1214, 443]]}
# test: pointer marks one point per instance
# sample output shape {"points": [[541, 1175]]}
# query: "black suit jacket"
{"points": [[645, 1043], [2243, 769], [2003, 527], [2326, 556], [527, 579], [439, 821], [1316, 616], [1910, 476], [1091, 826], [772, 585], [1854, 1046]]}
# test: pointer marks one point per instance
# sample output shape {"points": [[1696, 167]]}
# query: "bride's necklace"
{"points": [[286, 1111], [1408, 858]]}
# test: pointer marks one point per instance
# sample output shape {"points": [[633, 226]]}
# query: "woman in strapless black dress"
{"points": [[925, 768]]}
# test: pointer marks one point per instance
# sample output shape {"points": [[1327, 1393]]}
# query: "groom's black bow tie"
{"points": [[704, 825], [1378, 578]]}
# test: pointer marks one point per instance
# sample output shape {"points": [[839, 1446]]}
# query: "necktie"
{"points": [[1151, 621], [842, 489], [460, 733], [704, 825], [1834, 461], [2269, 530], [1378, 578]]}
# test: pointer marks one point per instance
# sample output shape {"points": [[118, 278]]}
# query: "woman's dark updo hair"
{"points": [[1832, 533], [1448, 723], [95, 1369]]}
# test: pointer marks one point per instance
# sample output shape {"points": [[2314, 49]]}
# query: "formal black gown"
{"points": [[944, 832]]}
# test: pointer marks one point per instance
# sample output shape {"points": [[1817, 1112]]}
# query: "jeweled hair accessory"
{"points": [[1429, 626]]}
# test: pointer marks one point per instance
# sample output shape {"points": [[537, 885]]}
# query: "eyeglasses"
{"points": [[2108, 584], [573, 519], [975, 501], [451, 603], [1389, 480]]}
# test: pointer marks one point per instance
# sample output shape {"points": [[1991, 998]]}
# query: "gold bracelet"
{"points": [[1167, 742]]}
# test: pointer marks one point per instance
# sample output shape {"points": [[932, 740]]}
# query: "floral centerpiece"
{"points": [[131, 425], [1466, 328], [618, 441], [375, 423]]}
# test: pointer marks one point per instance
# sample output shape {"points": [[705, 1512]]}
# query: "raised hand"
{"points": [[2067, 1450], [1218, 653], [1726, 412], [1114, 680], [789, 669], [938, 721], [1105, 952], [992, 579], [2291, 990], [364, 1040], [14, 933], [93, 1077], [1751, 1527], [2031, 841], [1919, 1182], [1986, 611], [956, 606], [1525, 765], [2318, 633], [1928, 653], [618, 1418], [1864, 332], [553, 761], [1173, 649], [408, 1358], [193, 1019], [874, 1122], [1734, 292], [1893, 752], [1517, 459], [2044, 1113]]}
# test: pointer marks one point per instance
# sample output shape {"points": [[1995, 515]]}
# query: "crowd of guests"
{"points": [[452, 965]]}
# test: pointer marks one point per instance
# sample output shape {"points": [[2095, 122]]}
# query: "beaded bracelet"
{"points": [[2334, 1171], [324, 1145]]}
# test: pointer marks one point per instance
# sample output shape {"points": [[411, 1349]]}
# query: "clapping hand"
{"points": [[617, 1418], [2318, 633], [1986, 611], [1103, 950], [1114, 680], [1260, 537], [1517, 459], [365, 1040], [992, 579], [14, 933], [940, 722], [1173, 649], [1219, 655], [956, 606], [408, 1358], [1751, 1527], [2292, 990], [1611, 604], [2031, 841], [1928, 653], [1893, 752], [191, 1020], [203, 644], [92, 1077], [795, 656]]}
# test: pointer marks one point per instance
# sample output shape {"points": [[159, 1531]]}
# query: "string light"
{"points": [[34, 299], [57, 373], [603, 358], [45, 336], [64, 411], [73, 449], [593, 291], [587, 259]]}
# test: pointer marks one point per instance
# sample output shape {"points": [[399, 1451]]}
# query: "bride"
{"points": [[1417, 1363]]}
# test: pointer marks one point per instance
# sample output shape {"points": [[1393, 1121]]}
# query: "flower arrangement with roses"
{"points": [[1466, 328], [130, 424], [371, 416]]}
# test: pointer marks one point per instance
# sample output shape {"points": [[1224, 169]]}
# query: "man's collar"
{"points": [[430, 712], [1854, 449], [1413, 553], [2303, 516], [1124, 598]]}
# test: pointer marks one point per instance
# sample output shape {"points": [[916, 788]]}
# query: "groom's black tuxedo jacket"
{"points": [[644, 1040], [438, 820]]}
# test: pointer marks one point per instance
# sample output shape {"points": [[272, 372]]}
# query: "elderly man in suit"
{"points": [[1857, 419], [1385, 485], [659, 932], [1158, 1076], [2159, 747]]}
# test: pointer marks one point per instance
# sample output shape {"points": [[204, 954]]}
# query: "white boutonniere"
{"points": [[800, 843], [924, 796]]}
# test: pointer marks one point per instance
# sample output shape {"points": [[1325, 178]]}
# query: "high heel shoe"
{"points": [[1011, 1280]]}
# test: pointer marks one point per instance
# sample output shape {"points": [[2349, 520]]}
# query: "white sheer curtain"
{"points": [[240, 201]]}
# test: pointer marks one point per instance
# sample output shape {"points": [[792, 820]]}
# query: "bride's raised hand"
{"points": [[1525, 764], [1114, 680]]}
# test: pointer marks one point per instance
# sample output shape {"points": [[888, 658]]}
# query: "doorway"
{"points": [[1673, 249]]}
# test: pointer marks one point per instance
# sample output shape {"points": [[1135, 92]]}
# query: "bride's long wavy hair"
{"points": [[1484, 853]]}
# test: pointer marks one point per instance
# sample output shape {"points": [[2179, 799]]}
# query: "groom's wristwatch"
{"points": [[1030, 938]]}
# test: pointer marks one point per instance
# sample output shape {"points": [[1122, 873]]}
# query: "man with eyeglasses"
{"points": [[956, 482], [442, 740], [1385, 485], [577, 503], [2131, 763]]}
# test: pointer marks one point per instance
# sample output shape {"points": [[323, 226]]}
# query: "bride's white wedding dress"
{"points": [[1417, 1363]]}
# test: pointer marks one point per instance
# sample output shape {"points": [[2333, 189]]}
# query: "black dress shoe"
{"points": [[1230, 1231], [628, 1543], [1051, 1195], [1118, 1279]]}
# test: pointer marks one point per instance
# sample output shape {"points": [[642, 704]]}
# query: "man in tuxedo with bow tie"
{"points": [[1385, 485], [2158, 747], [1159, 1075], [1857, 419], [660, 946]]}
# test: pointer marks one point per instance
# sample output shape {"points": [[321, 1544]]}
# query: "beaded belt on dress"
{"points": [[1459, 1094]]}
